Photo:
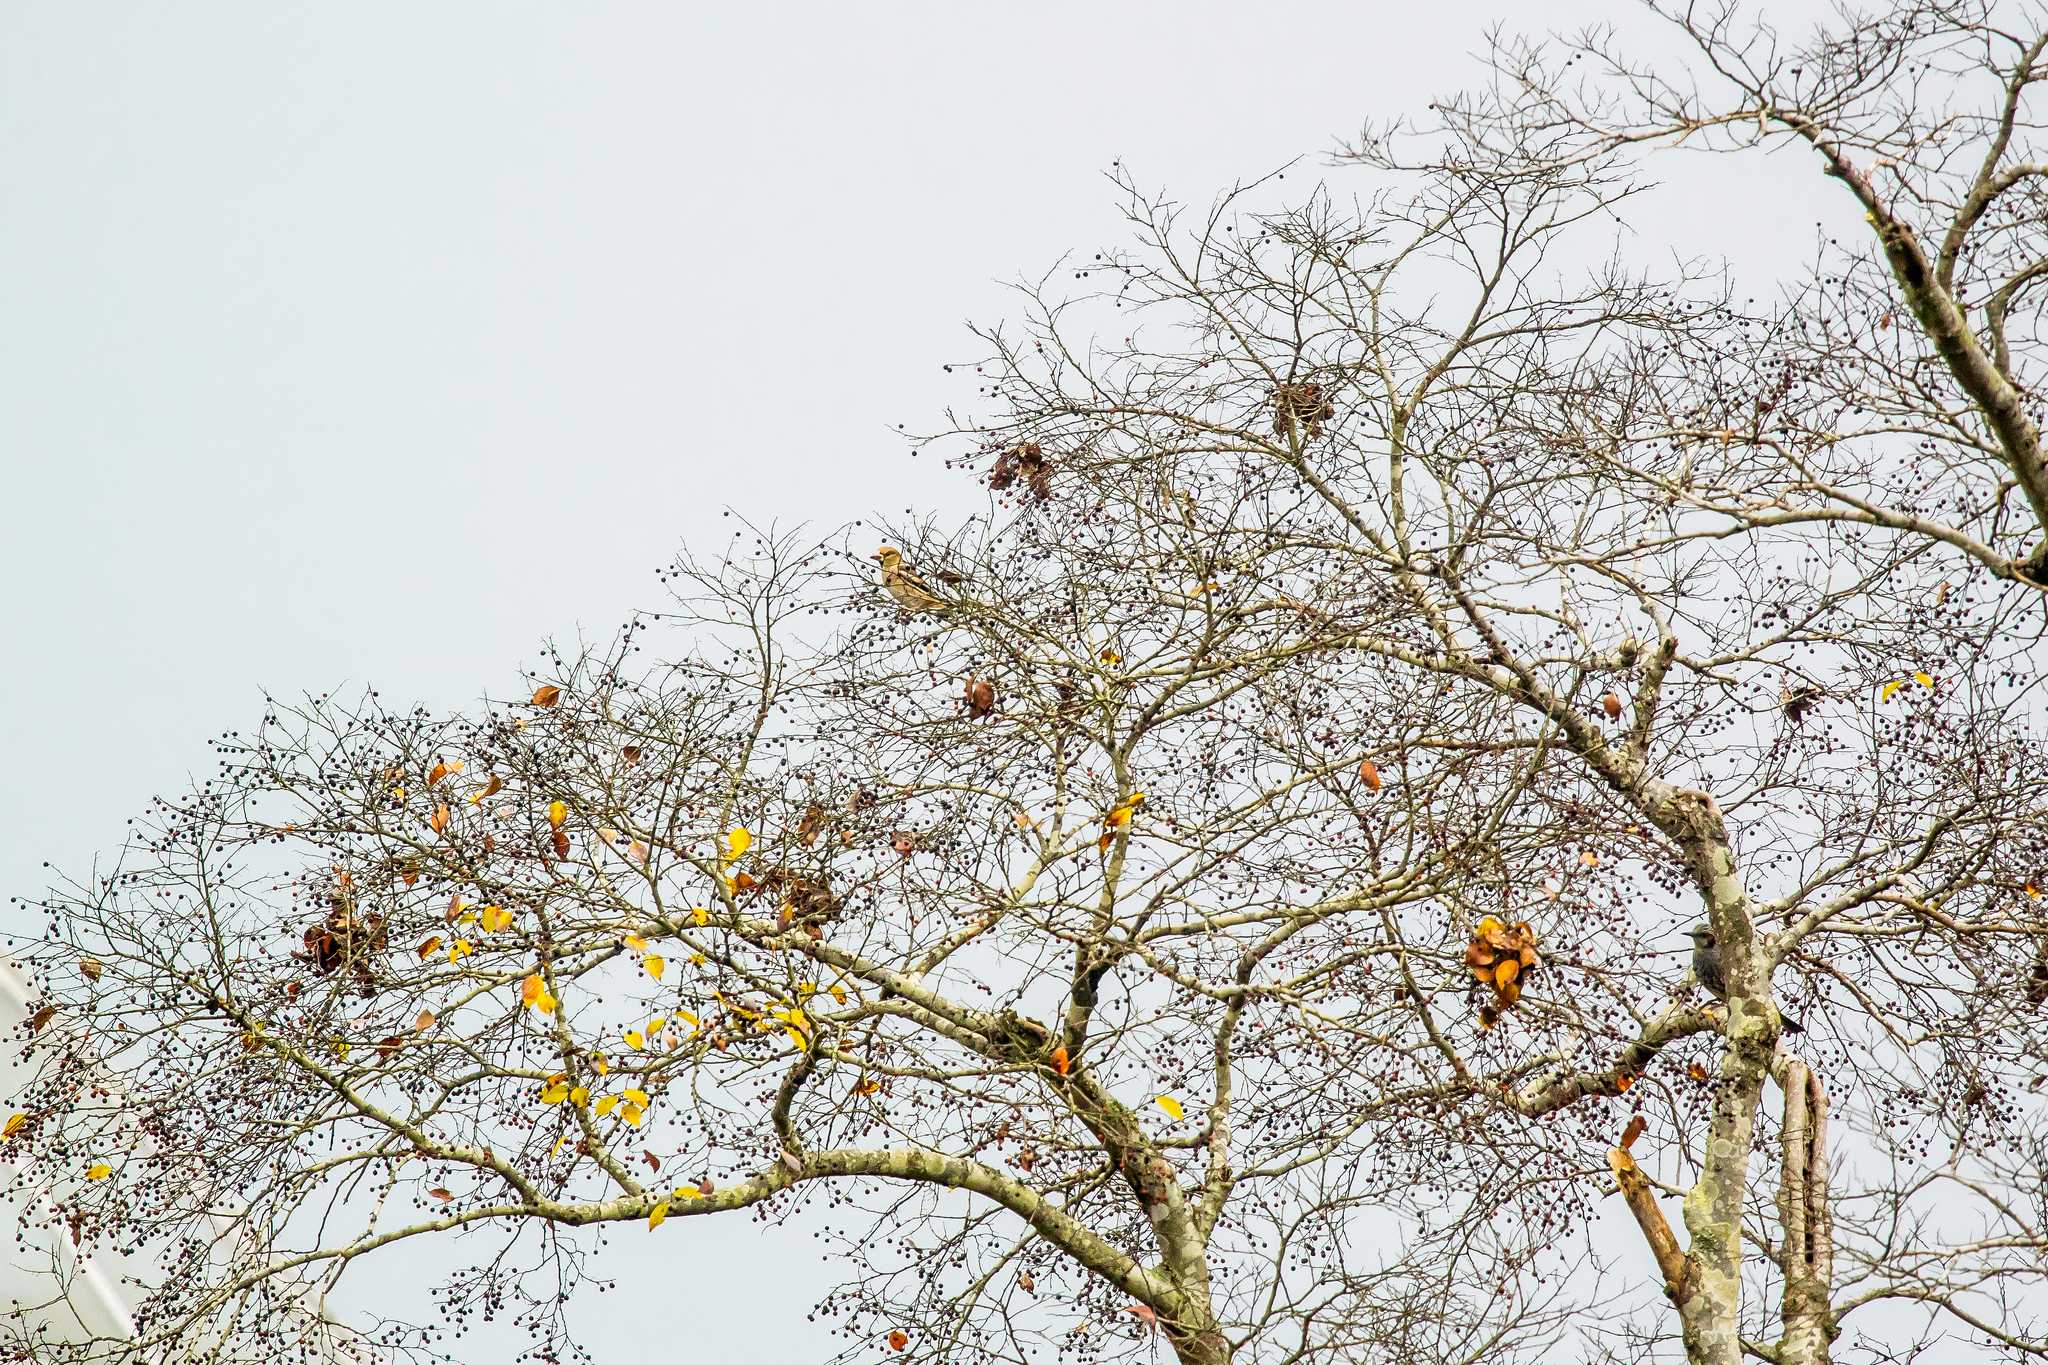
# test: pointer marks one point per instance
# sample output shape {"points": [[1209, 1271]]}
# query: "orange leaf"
{"points": [[90, 966], [430, 947], [442, 1195], [1369, 773], [424, 1022], [439, 819], [1059, 1059], [547, 696], [1634, 1130], [898, 1339], [1504, 973]]}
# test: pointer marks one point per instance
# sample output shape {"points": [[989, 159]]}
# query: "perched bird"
{"points": [[911, 592], [1706, 965]]}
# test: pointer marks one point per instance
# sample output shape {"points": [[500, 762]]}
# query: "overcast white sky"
{"points": [[373, 343]]}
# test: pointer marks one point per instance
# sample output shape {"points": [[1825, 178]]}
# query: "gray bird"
{"points": [[1706, 965]]}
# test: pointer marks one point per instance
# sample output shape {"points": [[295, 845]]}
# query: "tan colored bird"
{"points": [[911, 592]]}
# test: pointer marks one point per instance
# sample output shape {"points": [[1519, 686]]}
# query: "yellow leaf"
{"points": [[654, 965], [606, 1105], [554, 1092], [632, 1114], [634, 1095], [839, 994], [600, 1065], [1171, 1106], [579, 1096], [14, 1125], [737, 843], [532, 989], [495, 917], [1885, 693], [556, 1150], [99, 1170], [634, 1040], [557, 813], [700, 915], [459, 949], [688, 1192], [654, 1218], [1926, 680], [635, 942]]}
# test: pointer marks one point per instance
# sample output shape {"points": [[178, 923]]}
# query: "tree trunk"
{"points": [[1806, 1252], [1710, 1310], [1204, 1346]]}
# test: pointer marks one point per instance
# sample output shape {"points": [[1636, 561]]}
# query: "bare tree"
{"points": [[1233, 898], [1895, 386]]}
